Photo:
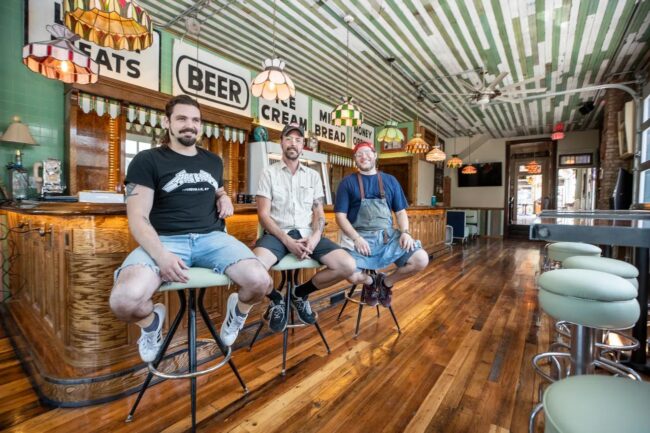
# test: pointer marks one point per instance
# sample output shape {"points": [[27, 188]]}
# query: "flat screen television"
{"points": [[489, 174]]}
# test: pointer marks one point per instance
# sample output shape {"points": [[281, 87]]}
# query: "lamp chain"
{"points": [[274, 12]]}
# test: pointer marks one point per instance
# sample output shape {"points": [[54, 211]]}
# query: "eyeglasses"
{"points": [[367, 154], [295, 140]]}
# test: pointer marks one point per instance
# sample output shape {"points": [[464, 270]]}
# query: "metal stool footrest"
{"points": [[166, 375], [553, 358]]}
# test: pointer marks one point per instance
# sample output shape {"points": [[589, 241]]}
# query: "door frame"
{"points": [[552, 175]]}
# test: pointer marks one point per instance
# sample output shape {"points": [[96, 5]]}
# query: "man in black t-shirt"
{"points": [[176, 205]]}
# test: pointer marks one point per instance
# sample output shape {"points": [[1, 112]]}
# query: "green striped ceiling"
{"points": [[557, 44]]}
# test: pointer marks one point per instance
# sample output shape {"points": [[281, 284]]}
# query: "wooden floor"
{"points": [[470, 325]]}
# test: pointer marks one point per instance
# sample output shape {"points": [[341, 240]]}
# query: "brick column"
{"points": [[610, 160]]}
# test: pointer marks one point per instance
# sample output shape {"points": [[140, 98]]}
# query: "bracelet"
{"points": [[407, 232]]}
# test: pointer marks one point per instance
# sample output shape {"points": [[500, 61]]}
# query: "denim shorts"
{"points": [[383, 251], [216, 250]]}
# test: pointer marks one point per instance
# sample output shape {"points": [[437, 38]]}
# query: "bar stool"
{"points": [[289, 267], [199, 278], [596, 404], [588, 301], [615, 267], [349, 297], [559, 251]]}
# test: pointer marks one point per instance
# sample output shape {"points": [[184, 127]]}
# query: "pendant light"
{"points": [[533, 167], [455, 161], [391, 133], [59, 59], [436, 154], [417, 144], [117, 24], [273, 83], [469, 169], [347, 113]]}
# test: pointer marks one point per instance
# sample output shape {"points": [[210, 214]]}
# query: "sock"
{"points": [[153, 325], [239, 312], [275, 296], [305, 289]]}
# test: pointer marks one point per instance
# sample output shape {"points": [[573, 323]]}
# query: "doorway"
{"points": [[576, 189], [530, 183]]}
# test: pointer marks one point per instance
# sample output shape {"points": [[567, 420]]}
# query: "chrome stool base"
{"points": [[289, 279], [349, 297], [191, 343]]}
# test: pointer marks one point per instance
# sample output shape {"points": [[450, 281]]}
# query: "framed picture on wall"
{"points": [[396, 147]]}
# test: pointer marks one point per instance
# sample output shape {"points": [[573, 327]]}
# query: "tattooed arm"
{"points": [[139, 201], [318, 217]]}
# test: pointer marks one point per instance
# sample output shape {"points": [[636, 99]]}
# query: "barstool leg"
{"points": [[356, 329], [392, 313], [285, 334], [345, 302], [217, 338], [191, 348], [259, 328], [377, 306], [161, 353], [322, 336], [582, 350]]}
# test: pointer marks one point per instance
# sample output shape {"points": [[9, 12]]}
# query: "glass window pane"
{"points": [[142, 145], [131, 147], [646, 108], [645, 145], [127, 161]]}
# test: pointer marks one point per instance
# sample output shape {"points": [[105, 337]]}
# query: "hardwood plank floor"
{"points": [[470, 325]]}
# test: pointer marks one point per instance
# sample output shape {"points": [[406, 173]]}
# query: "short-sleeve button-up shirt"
{"points": [[292, 195]]}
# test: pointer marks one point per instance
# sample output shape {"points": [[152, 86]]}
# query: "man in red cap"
{"points": [[365, 202], [290, 209]]}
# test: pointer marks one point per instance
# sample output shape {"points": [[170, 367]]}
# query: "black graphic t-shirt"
{"points": [[185, 189]]}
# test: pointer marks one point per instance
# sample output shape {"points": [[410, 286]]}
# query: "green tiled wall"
{"points": [[36, 100]]}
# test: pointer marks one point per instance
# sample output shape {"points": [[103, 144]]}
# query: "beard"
{"points": [[291, 156], [185, 141], [366, 167]]}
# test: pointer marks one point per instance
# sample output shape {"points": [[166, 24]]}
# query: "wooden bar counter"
{"points": [[61, 262]]}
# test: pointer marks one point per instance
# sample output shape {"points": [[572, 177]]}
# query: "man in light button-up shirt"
{"points": [[290, 209]]}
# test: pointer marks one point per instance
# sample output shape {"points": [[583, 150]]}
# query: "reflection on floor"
{"points": [[470, 325]]}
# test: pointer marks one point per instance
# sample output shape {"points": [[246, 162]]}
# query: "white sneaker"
{"points": [[149, 342], [233, 323]]}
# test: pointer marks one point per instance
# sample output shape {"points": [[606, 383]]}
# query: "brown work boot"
{"points": [[369, 293], [385, 293]]}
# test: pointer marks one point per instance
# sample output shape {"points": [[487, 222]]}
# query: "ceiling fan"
{"points": [[483, 93]]}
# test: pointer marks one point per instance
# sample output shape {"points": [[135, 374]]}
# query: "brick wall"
{"points": [[610, 161]]}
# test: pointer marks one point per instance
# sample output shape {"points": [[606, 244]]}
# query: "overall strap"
{"points": [[363, 195], [381, 185]]}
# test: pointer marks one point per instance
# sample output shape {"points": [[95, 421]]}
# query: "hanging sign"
{"points": [[276, 114], [364, 132], [213, 80], [141, 68], [323, 129]]}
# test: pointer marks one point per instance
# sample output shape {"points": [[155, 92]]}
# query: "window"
{"points": [[644, 181], [134, 144], [576, 159]]}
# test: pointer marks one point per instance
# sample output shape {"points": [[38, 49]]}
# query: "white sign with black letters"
{"points": [[213, 80], [364, 132], [141, 68], [276, 114], [323, 129]]}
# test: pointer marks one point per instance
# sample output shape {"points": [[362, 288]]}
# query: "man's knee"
{"points": [[125, 303], [345, 264], [255, 283], [420, 260]]}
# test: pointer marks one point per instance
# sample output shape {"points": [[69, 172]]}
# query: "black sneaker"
{"points": [[276, 316], [370, 294], [302, 307], [385, 293]]}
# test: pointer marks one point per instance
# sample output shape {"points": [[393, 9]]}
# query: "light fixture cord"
{"points": [[274, 12], [391, 92], [347, 61]]}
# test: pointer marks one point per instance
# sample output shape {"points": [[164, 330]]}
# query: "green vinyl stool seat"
{"points": [[597, 404], [199, 279], [604, 264], [560, 251], [289, 267], [589, 298]]}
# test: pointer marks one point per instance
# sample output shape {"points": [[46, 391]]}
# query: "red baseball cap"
{"points": [[363, 144]]}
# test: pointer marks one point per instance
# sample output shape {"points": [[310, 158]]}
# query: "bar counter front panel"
{"points": [[61, 262]]}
